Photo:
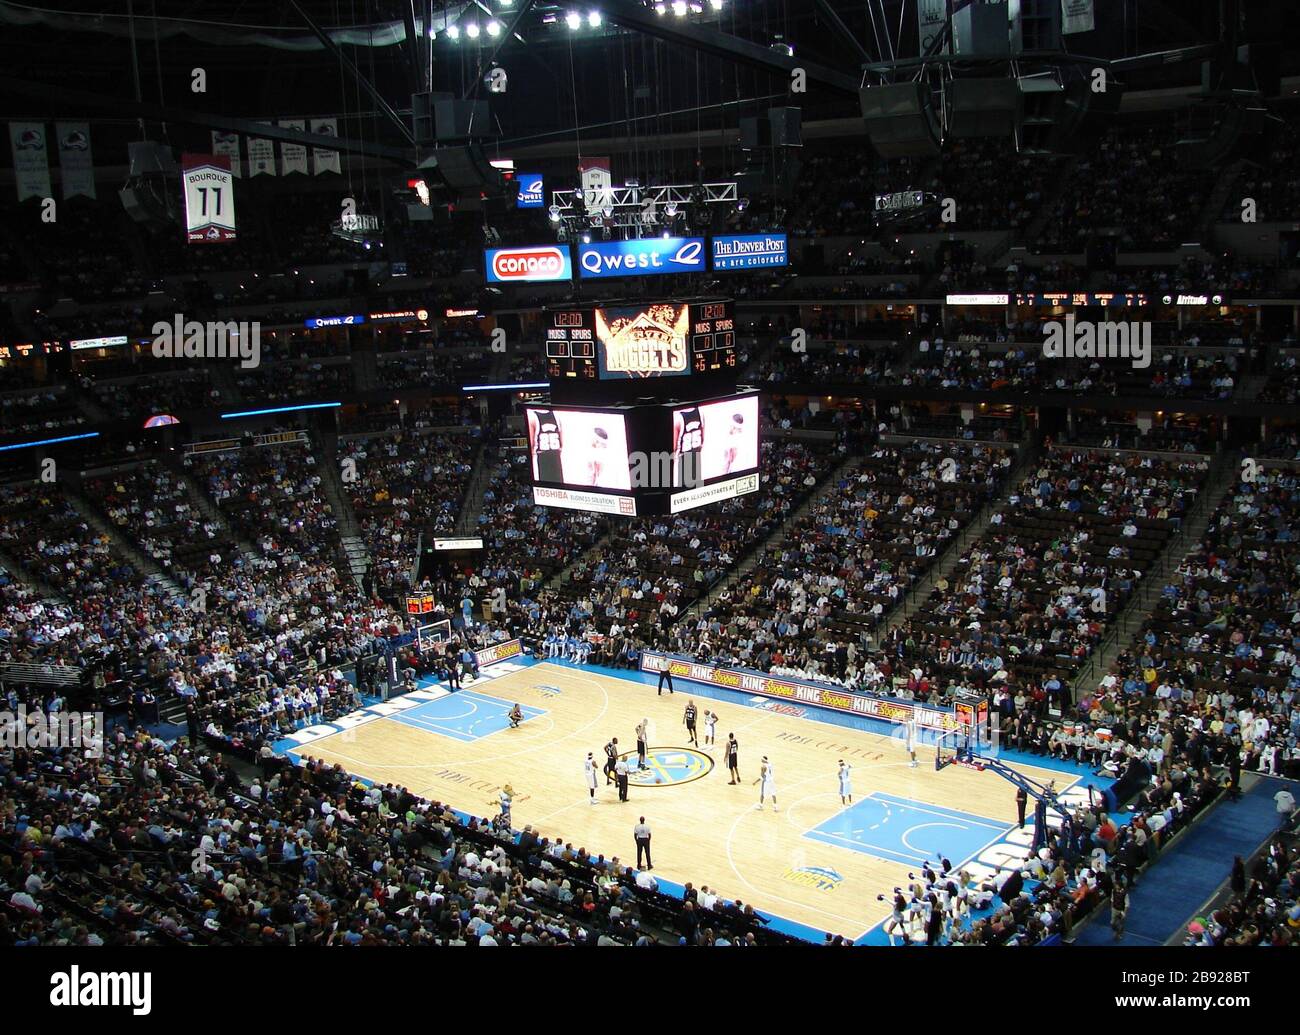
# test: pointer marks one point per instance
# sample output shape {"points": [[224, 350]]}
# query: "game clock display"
{"points": [[713, 337], [571, 345]]}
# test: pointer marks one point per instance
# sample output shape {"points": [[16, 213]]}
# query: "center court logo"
{"points": [[75, 987], [819, 878], [668, 766]]}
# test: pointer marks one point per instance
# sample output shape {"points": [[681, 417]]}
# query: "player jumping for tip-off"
{"points": [[846, 786], [767, 784]]}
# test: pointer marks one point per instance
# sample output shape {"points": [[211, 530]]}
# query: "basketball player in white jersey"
{"points": [[596, 465], [734, 434], [589, 768], [911, 743], [767, 784], [710, 726], [846, 785]]}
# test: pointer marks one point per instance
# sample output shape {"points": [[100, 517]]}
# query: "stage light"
{"points": [[670, 210], [573, 20], [454, 32], [716, 4], [679, 8], [494, 28], [742, 204], [554, 212], [586, 238], [594, 19], [661, 8], [471, 30]]}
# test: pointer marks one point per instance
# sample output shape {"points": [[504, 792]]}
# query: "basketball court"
{"points": [[816, 861]]}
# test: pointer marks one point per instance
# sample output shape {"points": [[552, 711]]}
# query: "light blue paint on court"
{"points": [[904, 831], [466, 715]]}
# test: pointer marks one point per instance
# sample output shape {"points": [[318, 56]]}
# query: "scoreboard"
{"points": [[625, 348], [571, 344], [713, 336]]}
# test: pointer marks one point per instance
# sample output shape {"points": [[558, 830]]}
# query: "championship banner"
{"points": [[209, 199], [597, 181], [323, 160], [498, 652], [75, 160], [931, 16], [261, 156], [227, 145], [31, 164], [885, 709], [293, 157], [1077, 16]]}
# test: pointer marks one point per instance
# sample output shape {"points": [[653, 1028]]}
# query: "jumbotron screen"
{"points": [[715, 451], [582, 449]]}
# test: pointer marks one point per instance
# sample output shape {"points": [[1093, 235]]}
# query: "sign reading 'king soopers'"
{"points": [[750, 251], [528, 265], [642, 258]]}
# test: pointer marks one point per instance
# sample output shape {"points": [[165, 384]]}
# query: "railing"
{"points": [[40, 675]]}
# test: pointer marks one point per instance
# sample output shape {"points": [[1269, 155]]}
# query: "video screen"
{"points": [[643, 341], [715, 440], [586, 449]]}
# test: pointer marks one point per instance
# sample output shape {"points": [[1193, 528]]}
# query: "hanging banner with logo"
{"points": [[293, 157], [641, 258], [1077, 16], [209, 199], [261, 156], [532, 190], [31, 163], [227, 145], [323, 160], [597, 181], [528, 264], [75, 160], [931, 16]]}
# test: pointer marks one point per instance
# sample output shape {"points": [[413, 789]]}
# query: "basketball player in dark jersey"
{"points": [[689, 719], [686, 450], [733, 758], [547, 448]]}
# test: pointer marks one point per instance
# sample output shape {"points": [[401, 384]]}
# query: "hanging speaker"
{"points": [[984, 107], [466, 169], [900, 120]]}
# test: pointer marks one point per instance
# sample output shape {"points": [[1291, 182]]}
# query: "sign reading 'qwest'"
{"points": [[647, 257]]}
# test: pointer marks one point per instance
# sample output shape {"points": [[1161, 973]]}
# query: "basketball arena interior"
{"points": [[735, 473]]}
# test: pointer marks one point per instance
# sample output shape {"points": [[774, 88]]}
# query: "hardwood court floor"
{"points": [[704, 830]]}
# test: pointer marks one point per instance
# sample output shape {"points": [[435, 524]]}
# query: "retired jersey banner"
{"points": [[227, 145], [324, 160], [931, 17], [597, 181], [1077, 16], [887, 709], [76, 164], [209, 199], [261, 156], [293, 157], [31, 161]]}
